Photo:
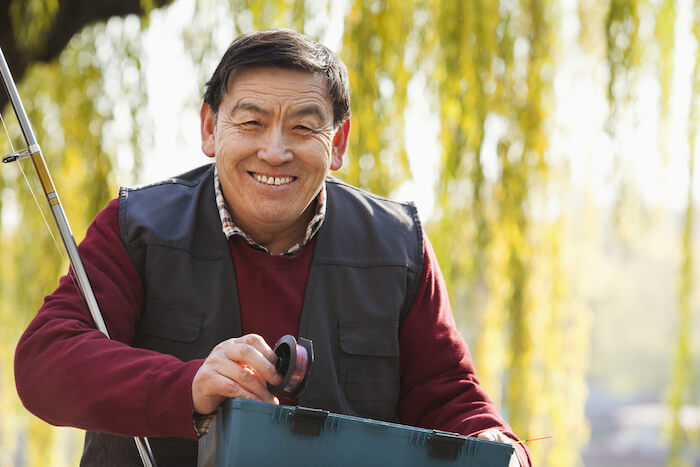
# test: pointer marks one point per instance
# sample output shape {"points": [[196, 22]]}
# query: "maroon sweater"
{"points": [[68, 373]]}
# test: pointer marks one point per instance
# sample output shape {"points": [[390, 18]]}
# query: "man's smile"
{"points": [[270, 180]]}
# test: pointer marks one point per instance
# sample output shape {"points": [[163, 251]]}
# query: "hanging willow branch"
{"points": [[679, 392]]}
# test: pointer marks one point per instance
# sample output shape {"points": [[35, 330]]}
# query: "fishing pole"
{"points": [[33, 151]]}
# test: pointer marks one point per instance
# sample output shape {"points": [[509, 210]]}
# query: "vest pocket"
{"points": [[171, 328], [369, 367]]}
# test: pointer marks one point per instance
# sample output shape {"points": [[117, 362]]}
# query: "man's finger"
{"points": [[245, 378], [224, 386], [499, 437], [495, 435], [250, 355], [259, 343]]}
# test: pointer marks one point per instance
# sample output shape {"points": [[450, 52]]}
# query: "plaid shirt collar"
{"points": [[230, 229]]}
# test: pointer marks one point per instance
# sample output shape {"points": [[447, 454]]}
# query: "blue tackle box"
{"points": [[250, 434]]}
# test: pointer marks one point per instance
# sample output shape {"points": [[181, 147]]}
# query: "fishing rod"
{"points": [[33, 151]]}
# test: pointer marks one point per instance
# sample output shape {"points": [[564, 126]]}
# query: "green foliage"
{"points": [[31, 21], [680, 390], [470, 76], [665, 28], [376, 49], [268, 15], [621, 35], [501, 259], [682, 370]]}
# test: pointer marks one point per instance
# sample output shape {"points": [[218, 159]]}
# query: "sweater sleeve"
{"points": [[69, 374], [439, 389]]}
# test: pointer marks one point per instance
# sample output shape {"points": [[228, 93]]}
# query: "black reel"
{"points": [[294, 361]]}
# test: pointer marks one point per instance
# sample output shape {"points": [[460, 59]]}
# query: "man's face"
{"points": [[274, 143]]}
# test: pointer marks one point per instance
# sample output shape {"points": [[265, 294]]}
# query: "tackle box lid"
{"points": [[248, 433]]}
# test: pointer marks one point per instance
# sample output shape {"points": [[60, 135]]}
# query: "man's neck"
{"points": [[278, 238]]}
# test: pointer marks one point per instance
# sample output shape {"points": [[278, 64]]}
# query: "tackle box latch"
{"points": [[444, 445], [306, 421]]}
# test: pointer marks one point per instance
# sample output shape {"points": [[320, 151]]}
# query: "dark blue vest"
{"points": [[364, 274]]}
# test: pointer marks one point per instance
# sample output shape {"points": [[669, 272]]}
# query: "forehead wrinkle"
{"points": [[317, 90], [250, 106]]}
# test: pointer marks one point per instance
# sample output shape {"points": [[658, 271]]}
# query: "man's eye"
{"points": [[252, 123], [302, 128]]}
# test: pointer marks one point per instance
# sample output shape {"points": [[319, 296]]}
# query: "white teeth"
{"points": [[273, 180]]}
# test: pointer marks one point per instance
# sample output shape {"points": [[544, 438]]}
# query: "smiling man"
{"points": [[198, 275]]}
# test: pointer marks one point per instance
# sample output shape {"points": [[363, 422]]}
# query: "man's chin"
{"points": [[276, 220]]}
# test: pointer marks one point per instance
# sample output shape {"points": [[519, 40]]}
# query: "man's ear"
{"points": [[340, 144], [207, 128]]}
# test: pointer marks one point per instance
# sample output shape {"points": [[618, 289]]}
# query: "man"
{"points": [[196, 277]]}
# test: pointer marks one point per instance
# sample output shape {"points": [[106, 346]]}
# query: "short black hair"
{"points": [[282, 48]]}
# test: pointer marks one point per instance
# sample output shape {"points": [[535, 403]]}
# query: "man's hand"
{"points": [[495, 435], [238, 367]]}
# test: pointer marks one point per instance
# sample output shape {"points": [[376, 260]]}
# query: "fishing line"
{"points": [[36, 200], [41, 211], [70, 272], [9, 140], [533, 439]]}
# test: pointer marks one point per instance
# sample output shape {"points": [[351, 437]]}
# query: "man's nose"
{"points": [[275, 150]]}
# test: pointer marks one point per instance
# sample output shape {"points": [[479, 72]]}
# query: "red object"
{"points": [[68, 373]]}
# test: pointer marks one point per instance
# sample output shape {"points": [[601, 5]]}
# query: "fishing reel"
{"points": [[294, 361]]}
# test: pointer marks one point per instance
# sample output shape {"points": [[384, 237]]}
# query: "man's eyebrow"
{"points": [[309, 109], [249, 106]]}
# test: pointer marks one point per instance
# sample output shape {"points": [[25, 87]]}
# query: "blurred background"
{"points": [[549, 146]]}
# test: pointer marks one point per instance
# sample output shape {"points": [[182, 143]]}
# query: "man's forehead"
{"points": [[257, 89], [265, 75]]}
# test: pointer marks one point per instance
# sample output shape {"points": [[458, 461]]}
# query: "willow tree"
{"points": [[505, 266], [625, 49], [377, 40], [683, 387]]}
